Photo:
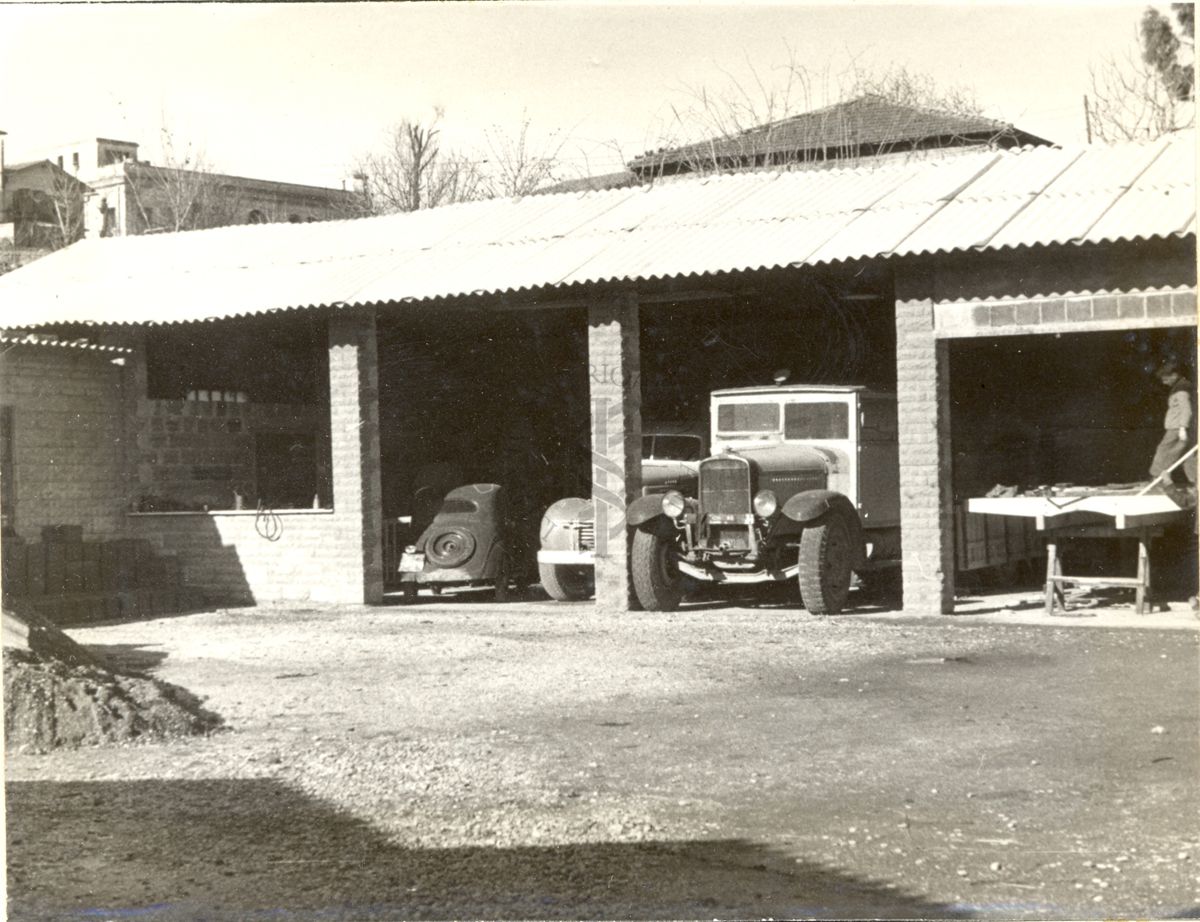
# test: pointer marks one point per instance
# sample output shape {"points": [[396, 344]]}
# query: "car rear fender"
{"points": [[555, 533]]}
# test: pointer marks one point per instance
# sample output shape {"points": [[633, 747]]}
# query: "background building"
{"points": [[99, 188]]}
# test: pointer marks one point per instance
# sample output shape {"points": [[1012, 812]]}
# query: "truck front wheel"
{"points": [[654, 562], [565, 583], [826, 558]]}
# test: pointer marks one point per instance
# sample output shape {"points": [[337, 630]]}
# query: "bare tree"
{"points": [[411, 171], [182, 193], [49, 218], [794, 117], [66, 210], [737, 123], [1150, 93], [517, 164]]}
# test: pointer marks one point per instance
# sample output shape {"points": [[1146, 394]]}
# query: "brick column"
{"points": [[926, 495], [616, 400], [134, 394], [354, 562]]}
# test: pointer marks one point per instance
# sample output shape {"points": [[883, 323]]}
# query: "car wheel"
{"points": [[450, 548], [565, 583], [654, 563], [826, 556]]}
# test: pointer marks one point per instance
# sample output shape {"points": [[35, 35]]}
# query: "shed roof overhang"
{"points": [[989, 201]]}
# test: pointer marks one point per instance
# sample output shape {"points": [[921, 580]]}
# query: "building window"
{"points": [[256, 217]]}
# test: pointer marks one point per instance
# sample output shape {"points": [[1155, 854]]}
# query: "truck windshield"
{"points": [[748, 417], [816, 421], [671, 447]]}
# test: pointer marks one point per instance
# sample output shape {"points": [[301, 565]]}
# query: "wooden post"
{"points": [[1052, 569], [1143, 570]]}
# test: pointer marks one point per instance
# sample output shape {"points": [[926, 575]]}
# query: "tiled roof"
{"points": [[986, 200], [597, 183], [870, 122]]}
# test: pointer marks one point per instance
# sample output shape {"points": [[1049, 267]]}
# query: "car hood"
{"points": [[778, 457]]}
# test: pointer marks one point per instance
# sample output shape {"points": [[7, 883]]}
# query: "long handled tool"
{"points": [[1150, 486]]}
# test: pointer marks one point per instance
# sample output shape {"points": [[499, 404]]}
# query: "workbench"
{"points": [[1097, 514]]}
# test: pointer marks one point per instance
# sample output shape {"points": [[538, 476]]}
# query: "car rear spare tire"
{"points": [[826, 559], [450, 547]]}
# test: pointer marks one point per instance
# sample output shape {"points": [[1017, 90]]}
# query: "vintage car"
{"points": [[671, 456], [803, 483], [463, 546]]}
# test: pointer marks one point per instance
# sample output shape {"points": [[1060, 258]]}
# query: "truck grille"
{"points": [[725, 486]]}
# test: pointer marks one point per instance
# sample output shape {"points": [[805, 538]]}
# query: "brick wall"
{"points": [[613, 360], [926, 498], [245, 557], [67, 446]]}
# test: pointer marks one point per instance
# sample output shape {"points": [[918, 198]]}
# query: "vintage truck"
{"points": [[803, 483]]}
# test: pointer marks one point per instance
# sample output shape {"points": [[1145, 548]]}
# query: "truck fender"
{"points": [[810, 505], [643, 509], [554, 534]]}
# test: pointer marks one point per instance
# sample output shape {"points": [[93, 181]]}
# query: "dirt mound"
{"points": [[57, 694]]}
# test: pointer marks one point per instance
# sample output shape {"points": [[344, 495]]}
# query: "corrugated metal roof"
{"points": [[740, 222], [77, 345]]}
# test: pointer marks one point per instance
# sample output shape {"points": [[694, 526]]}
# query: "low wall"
{"points": [[245, 557]]}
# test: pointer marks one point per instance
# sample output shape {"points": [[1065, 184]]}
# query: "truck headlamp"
{"points": [[765, 503], [673, 503]]}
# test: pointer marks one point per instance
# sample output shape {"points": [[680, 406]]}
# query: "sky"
{"points": [[297, 92]]}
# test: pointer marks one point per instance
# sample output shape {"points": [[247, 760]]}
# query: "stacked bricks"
{"points": [[352, 570], [926, 499], [614, 374], [73, 581], [67, 438]]}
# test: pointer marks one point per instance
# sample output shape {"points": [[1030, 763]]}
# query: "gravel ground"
{"points": [[546, 761]]}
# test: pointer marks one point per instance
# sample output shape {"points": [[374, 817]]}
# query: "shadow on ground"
{"points": [[256, 849], [128, 657]]}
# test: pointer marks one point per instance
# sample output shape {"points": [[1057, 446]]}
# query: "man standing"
{"points": [[1177, 423]]}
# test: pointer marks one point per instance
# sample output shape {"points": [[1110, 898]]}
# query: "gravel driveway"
{"points": [[545, 761]]}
